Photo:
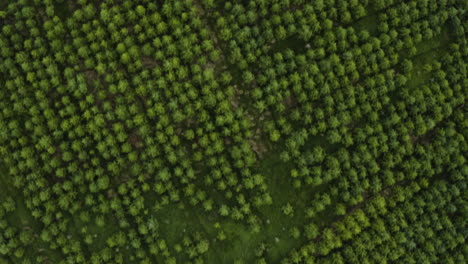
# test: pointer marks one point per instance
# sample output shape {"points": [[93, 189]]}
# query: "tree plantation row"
{"points": [[209, 131]]}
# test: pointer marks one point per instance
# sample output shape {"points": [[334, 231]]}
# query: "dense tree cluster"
{"points": [[116, 115]]}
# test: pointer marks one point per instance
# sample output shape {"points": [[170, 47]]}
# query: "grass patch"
{"points": [[4, 5], [62, 9], [22, 219], [178, 220], [428, 52], [368, 23], [294, 43]]}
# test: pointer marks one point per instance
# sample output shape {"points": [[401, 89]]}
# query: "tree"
{"points": [[247, 77], [294, 232], [9, 204], [407, 66], [287, 209], [100, 221], [140, 10], [311, 231], [203, 246], [224, 210], [275, 135], [125, 58]]}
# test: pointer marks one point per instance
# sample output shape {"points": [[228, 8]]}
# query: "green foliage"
{"points": [[233, 131]]}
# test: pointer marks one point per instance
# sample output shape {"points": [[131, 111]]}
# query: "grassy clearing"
{"points": [[368, 23], [21, 219], [294, 43], [177, 221], [277, 232], [62, 9], [428, 52]]}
